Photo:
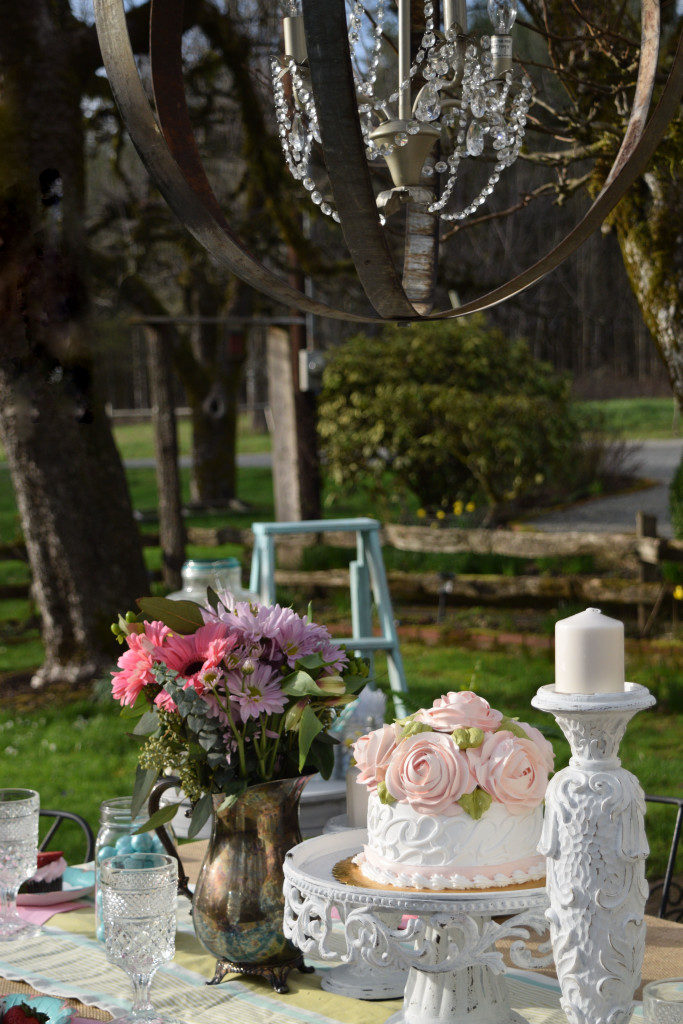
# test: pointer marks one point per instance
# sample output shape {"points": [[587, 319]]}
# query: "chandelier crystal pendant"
{"points": [[473, 100]]}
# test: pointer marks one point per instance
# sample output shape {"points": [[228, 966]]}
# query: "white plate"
{"points": [[77, 882]]}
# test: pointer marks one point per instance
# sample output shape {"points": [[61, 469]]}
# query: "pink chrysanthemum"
{"points": [[255, 693], [191, 656]]}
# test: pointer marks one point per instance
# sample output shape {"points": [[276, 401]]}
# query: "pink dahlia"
{"points": [[193, 655], [256, 693]]}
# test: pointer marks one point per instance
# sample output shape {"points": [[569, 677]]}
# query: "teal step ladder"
{"points": [[367, 578]]}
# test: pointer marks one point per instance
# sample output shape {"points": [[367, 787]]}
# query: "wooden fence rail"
{"points": [[639, 553]]}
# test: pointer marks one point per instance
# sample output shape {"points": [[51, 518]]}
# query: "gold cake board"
{"points": [[348, 873]]}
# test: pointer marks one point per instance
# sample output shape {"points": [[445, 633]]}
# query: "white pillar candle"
{"points": [[356, 800], [589, 653]]}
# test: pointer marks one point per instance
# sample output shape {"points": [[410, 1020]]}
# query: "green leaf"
{"points": [[475, 803], [322, 755], [141, 705], [413, 728], [212, 598], [148, 724], [510, 725], [384, 795], [144, 782], [301, 684], [200, 815], [309, 727], [354, 683], [233, 790], [228, 802], [310, 661], [163, 815], [466, 738], [180, 616]]}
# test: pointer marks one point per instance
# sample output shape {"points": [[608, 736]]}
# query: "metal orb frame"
{"points": [[169, 151]]}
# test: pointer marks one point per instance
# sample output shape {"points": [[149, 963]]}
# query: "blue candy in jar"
{"points": [[116, 836]]}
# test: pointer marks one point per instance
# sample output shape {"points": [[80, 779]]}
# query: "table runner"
{"points": [[66, 960]]}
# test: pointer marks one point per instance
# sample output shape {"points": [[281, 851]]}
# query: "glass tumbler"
{"points": [[139, 893], [663, 1001], [19, 810]]}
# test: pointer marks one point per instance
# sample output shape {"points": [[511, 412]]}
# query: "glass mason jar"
{"points": [[115, 836], [221, 574]]}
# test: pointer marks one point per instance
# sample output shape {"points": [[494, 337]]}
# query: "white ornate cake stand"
{"points": [[448, 946]]}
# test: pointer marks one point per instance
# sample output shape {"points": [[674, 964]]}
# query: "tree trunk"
{"points": [[171, 528], [652, 248], [214, 405], [83, 545]]}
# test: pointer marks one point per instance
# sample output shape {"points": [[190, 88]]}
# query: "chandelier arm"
{"points": [[650, 29], [165, 51], [344, 154], [188, 204], [638, 146]]}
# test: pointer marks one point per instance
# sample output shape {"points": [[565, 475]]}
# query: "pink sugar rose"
{"points": [[541, 742], [512, 770], [372, 752], [430, 773], [462, 710]]}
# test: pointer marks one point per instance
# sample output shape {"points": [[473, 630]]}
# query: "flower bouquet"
{"points": [[229, 695]]}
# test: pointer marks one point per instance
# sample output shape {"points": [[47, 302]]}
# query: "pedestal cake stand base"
{"points": [[455, 972]]}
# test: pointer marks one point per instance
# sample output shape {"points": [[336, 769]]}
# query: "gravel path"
{"points": [[656, 461]]}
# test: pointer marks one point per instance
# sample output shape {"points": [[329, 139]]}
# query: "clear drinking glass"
{"points": [[139, 893], [19, 810], [663, 1001]]}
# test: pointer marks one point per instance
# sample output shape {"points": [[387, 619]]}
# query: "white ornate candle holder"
{"points": [[448, 946], [595, 845]]}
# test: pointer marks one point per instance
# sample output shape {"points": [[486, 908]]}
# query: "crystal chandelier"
{"points": [[463, 94], [473, 102]]}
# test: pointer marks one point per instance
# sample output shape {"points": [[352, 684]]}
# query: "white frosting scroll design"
{"points": [[422, 851], [399, 834]]}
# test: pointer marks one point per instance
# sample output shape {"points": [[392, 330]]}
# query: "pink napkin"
{"points": [[39, 915]]}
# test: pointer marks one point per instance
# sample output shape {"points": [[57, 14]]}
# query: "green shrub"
{"points": [[455, 411], [676, 501]]}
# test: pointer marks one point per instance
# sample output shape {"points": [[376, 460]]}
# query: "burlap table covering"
{"points": [[663, 949]]}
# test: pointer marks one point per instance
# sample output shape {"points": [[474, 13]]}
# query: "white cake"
{"points": [[455, 799], [419, 851]]}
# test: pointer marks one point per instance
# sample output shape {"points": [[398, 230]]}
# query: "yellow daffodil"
{"points": [[421, 513], [457, 508], [440, 514], [470, 506], [678, 592]]}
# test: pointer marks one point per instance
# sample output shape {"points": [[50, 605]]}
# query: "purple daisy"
{"points": [[255, 693]]}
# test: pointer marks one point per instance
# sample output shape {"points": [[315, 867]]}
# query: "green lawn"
{"points": [[135, 440], [637, 419], [77, 753]]}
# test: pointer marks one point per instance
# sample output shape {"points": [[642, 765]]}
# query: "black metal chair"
{"points": [[671, 902], [59, 818]]}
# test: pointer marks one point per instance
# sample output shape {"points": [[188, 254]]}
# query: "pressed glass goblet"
{"points": [[139, 893], [19, 809]]}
